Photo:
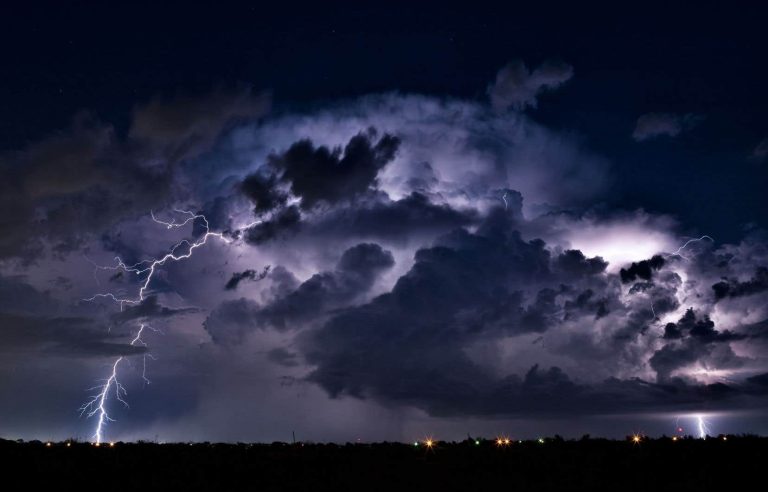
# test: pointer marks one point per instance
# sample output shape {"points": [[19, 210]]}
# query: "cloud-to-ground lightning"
{"points": [[702, 427], [97, 404]]}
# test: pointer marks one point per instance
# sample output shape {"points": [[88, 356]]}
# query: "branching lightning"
{"points": [[140, 268], [97, 404], [679, 251], [702, 426]]}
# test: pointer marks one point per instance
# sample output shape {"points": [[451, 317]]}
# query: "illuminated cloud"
{"points": [[388, 254], [518, 87], [654, 125]]}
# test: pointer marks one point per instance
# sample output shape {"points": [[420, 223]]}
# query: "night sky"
{"points": [[382, 223]]}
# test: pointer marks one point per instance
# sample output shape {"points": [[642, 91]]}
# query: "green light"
{"points": [[477, 443], [416, 443], [541, 440]]}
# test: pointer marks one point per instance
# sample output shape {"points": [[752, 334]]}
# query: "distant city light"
{"points": [[503, 441]]}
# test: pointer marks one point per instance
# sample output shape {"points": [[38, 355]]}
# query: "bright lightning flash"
{"points": [[701, 423], [97, 404], [172, 255]]}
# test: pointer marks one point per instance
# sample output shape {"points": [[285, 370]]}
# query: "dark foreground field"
{"points": [[555, 464]]}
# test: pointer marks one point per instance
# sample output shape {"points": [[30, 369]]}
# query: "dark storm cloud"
{"points": [[456, 290], [702, 329], [697, 341], [492, 285], [574, 262], [733, 288], [263, 192], [281, 224], [149, 308], [75, 184], [375, 217], [653, 125], [518, 87], [283, 357], [392, 219], [32, 321], [324, 175], [282, 282], [16, 296], [251, 275], [642, 269], [355, 273], [65, 336], [231, 321], [587, 302], [187, 125]]}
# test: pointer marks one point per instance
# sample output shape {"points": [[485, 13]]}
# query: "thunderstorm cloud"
{"points": [[392, 257]]}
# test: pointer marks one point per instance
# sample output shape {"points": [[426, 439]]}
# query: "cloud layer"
{"points": [[393, 254]]}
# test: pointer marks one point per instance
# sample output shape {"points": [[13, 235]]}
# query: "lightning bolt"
{"points": [[679, 251], [140, 268], [97, 404], [653, 310], [701, 423]]}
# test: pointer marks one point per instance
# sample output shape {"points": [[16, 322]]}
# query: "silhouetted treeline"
{"points": [[555, 464]]}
